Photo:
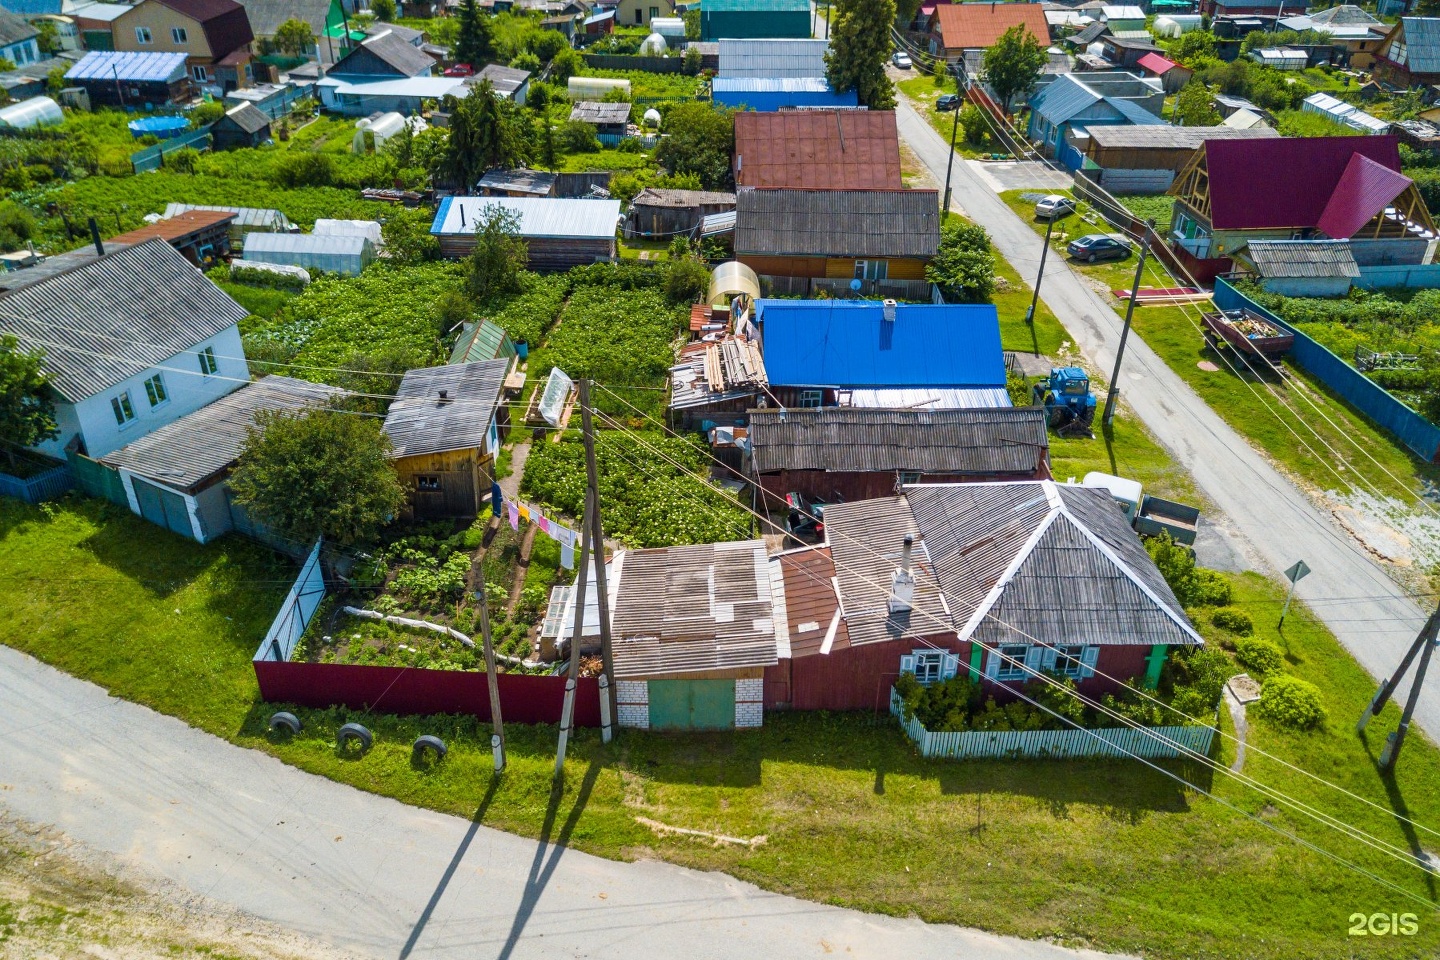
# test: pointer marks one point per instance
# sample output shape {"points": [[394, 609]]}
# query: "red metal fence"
{"points": [[523, 699]]}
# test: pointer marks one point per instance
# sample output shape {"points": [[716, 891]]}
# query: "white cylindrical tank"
{"points": [[35, 112], [652, 117], [594, 88], [654, 46]]}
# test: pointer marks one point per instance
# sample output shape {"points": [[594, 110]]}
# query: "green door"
{"points": [[692, 704], [162, 507]]}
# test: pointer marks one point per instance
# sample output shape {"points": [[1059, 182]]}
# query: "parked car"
{"points": [[901, 60], [804, 519], [460, 70], [948, 101], [1098, 246], [1054, 207]]}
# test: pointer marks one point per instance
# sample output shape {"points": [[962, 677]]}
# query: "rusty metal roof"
{"points": [[812, 602], [973, 26], [818, 150], [182, 226]]}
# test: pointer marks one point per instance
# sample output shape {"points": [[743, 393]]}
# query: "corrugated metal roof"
{"points": [[717, 223], [257, 218], [311, 243], [539, 217], [757, 6], [431, 87], [812, 605], [117, 316], [392, 50], [839, 223], [706, 607], [536, 182], [974, 26], [1126, 136], [186, 453], [1314, 166], [1302, 258], [1345, 13], [589, 111], [770, 85], [1133, 112], [772, 58], [505, 80], [1063, 98], [1365, 189], [14, 29], [1156, 64], [420, 421], [931, 398], [985, 441], [841, 343], [1421, 36], [137, 67], [818, 149], [680, 199]]}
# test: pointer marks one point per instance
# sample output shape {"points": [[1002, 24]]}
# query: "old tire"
{"points": [[283, 721], [353, 731], [427, 742]]}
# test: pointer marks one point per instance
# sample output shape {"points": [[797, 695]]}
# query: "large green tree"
{"points": [[964, 267], [1195, 106], [27, 416], [499, 256], [700, 140], [474, 42], [859, 47], [318, 473], [486, 131], [294, 37], [1013, 64]]}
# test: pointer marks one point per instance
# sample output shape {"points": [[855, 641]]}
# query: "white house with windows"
{"points": [[19, 41], [132, 341]]}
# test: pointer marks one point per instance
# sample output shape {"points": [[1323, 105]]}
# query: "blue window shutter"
{"points": [[1033, 655], [1089, 658], [1047, 658], [992, 664], [907, 663], [950, 666]]}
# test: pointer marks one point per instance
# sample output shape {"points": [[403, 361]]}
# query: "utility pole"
{"points": [[950, 163], [597, 538], [1125, 331], [1424, 645], [828, 5], [1040, 274], [492, 680]]}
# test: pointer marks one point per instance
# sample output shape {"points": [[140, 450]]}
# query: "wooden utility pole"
{"points": [[1125, 330], [1424, 645], [492, 680], [597, 539]]}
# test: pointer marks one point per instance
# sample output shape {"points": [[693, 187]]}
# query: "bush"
{"points": [[577, 136], [1291, 703], [972, 122], [305, 170], [1193, 586], [206, 113], [1201, 674], [257, 277], [1261, 657], [688, 282], [1236, 621]]}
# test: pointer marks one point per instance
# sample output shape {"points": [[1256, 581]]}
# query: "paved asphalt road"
{"points": [[1264, 516], [382, 879]]}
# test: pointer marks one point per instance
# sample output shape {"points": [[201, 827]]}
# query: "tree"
{"points": [[27, 416], [548, 157], [859, 47], [407, 236], [48, 38], [688, 281], [1013, 65], [701, 141], [16, 226], [318, 473], [499, 256], [384, 10], [972, 123], [577, 136], [294, 37], [486, 131], [1193, 48], [964, 267], [1195, 107], [692, 61], [474, 43]]}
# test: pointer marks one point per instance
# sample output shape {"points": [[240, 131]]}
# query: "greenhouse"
{"points": [[344, 255], [27, 114]]}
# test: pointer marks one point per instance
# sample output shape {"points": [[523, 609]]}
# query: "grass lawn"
{"points": [[922, 94], [1108, 854], [1268, 410], [602, 160]]}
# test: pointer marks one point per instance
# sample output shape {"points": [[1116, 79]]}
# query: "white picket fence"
{"points": [[1122, 742]]}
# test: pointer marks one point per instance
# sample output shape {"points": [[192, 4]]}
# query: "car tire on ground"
{"points": [[1090, 259], [354, 731], [428, 742], [288, 722]]}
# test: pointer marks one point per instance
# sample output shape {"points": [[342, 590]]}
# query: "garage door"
{"points": [[164, 508], [692, 704]]}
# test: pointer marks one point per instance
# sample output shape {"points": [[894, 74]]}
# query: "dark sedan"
{"points": [[1098, 246]]}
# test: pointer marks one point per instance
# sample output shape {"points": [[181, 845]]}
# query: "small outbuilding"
{"points": [[200, 236], [523, 182], [1302, 268], [345, 255], [245, 220], [243, 125], [559, 234], [446, 425], [665, 213], [611, 120], [132, 80]]}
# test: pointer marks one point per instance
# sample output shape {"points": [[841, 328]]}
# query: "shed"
{"points": [[1303, 268], [657, 212], [1245, 120], [772, 59], [1171, 74], [716, 381], [772, 94], [731, 19], [201, 236], [523, 182], [28, 114], [559, 234], [445, 428], [843, 454], [247, 220], [509, 82], [243, 125], [609, 119], [134, 80], [346, 256]]}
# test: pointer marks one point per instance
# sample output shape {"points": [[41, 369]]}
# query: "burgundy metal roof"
{"points": [[1156, 64], [1365, 189], [1286, 182]]}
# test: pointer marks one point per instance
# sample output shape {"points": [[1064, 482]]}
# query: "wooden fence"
{"points": [[45, 485], [1120, 742]]}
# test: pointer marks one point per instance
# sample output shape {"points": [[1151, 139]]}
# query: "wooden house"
{"points": [[843, 454], [133, 80], [445, 427], [964, 31], [998, 580], [243, 125], [665, 213], [818, 150], [1409, 56], [558, 234], [1337, 188], [1064, 109], [610, 120], [214, 36], [201, 236], [1145, 159]]}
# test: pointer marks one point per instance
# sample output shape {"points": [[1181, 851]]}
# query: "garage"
{"points": [[164, 508], [692, 704]]}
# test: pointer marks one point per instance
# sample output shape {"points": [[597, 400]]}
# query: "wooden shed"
{"points": [[243, 125], [664, 213], [446, 426], [559, 234]]}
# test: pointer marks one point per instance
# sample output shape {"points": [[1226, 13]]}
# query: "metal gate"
{"points": [[162, 507], [692, 704]]}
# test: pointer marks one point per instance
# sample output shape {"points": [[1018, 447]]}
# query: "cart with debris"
{"points": [[1248, 332]]}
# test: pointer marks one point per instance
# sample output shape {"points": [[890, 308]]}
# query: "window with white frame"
{"points": [[1012, 659], [123, 409], [1067, 659], [812, 398], [179, 35], [200, 74], [930, 666], [142, 35], [208, 365], [155, 390]]}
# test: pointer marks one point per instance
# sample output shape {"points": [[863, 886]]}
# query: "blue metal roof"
{"points": [[770, 85], [840, 343], [1063, 98], [1133, 112], [139, 67]]}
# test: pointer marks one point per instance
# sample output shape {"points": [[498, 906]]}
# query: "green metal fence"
{"points": [[96, 479]]}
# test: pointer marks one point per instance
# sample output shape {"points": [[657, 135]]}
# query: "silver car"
{"points": [[1054, 207]]}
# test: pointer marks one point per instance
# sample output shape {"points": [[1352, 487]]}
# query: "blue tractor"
{"points": [[1069, 404]]}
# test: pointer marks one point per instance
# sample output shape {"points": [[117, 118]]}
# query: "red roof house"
{"points": [[1171, 74], [818, 150], [968, 29]]}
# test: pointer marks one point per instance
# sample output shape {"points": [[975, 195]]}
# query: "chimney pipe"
{"points": [[444, 396], [902, 581], [889, 308], [95, 236]]}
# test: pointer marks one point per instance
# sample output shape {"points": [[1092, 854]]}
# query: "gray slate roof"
{"points": [[1275, 259], [248, 117], [1167, 137], [400, 56], [186, 453], [680, 199], [1345, 13], [590, 111], [850, 439], [505, 80], [14, 28], [266, 16], [420, 422], [536, 182], [1422, 44], [842, 223], [116, 316], [706, 607]]}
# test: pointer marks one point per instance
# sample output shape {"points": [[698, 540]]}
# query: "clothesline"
{"points": [[517, 510]]}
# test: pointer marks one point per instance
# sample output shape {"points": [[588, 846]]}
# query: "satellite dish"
{"points": [[855, 284]]}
